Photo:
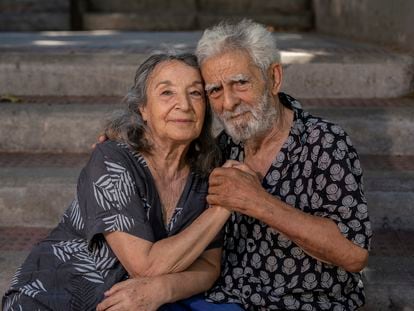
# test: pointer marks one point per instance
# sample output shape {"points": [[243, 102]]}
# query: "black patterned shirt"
{"points": [[317, 171]]}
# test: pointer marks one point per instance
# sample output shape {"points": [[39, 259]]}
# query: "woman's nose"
{"points": [[183, 102]]}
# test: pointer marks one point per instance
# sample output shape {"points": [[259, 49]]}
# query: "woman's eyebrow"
{"points": [[198, 82], [166, 82], [169, 83]]}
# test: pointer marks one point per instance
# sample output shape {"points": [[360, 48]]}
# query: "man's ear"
{"points": [[275, 75]]}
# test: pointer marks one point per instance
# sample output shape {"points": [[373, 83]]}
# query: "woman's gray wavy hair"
{"points": [[129, 127], [245, 35]]}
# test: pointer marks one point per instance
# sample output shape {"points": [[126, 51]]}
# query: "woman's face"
{"points": [[175, 106]]}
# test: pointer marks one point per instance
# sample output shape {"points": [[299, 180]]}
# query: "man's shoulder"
{"points": [[315, 126]]}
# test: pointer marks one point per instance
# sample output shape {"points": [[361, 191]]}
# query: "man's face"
{"points": [[239, 94]]}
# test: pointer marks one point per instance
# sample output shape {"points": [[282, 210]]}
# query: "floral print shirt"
{"points": [[318, 172]]}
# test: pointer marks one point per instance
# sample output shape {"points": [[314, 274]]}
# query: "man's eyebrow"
{"points": [[211, 86], [239, 77]]}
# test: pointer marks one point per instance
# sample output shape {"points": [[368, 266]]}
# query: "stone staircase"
{"points": [[193, 14], [66, 84], [35, 15]]}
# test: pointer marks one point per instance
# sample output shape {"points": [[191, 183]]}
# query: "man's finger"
{"points": [[214, 181], [231, 163], [109, 302], [115, 288], [102, 138]]}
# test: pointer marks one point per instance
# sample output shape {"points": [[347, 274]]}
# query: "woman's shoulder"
{"points": [[114, 150]]}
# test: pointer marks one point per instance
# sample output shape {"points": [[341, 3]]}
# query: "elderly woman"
{"points": [[137, 202]]}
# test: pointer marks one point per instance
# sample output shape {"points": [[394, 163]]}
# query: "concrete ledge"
{"points": [[73, 127], [34, 21], [375, 130], [140, 21], [281, 21], [103, 63], [37, 194]]}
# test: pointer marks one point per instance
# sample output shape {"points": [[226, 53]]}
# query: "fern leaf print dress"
{"points": [[74, 266]]}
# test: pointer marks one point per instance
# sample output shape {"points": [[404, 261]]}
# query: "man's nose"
{"points": [[230, 100]]}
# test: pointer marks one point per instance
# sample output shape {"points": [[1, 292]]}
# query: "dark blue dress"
{"points": [[74, 266]]}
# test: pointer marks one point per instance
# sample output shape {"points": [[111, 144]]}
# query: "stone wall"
{"points": [[34, 15], [387, 22]]}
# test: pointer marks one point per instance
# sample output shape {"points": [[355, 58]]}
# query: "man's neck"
{"points": [[273, 136], [261, 151]]}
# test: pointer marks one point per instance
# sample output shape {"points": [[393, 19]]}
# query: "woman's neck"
{"points": [[168, 160]]}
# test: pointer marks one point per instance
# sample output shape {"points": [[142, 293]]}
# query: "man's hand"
{"points": [[133, 294], [236, 187], [101, 139]]}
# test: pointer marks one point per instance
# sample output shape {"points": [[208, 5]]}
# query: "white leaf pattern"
{"points": [[88, 268], [118, 223], [114, 189], [104, 260], [15, 280], [33, 288], [74, 214], [65, 249], [9, 302]]}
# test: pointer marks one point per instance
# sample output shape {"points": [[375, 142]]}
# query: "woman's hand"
{"points": [[142, 293]]}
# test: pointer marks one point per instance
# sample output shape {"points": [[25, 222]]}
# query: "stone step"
{"points": [[388, 278], [155, 21], [35, 189], [104, 62], [240, 6], [71, 123], [188, 20], [34, 21], [31, 6]]}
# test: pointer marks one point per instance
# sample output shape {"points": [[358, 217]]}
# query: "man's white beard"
{"points": [[263, 116]]}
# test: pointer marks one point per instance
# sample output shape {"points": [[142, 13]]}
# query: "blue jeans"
{"points": [[197, 303]]}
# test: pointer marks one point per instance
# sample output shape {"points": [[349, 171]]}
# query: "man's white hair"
{"points": [[245, 35]]}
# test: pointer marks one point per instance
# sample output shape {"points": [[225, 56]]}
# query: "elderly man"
{"points": [[299, 233]]}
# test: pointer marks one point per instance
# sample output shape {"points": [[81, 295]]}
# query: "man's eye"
{"points": [[242, 82], [213, 91]]}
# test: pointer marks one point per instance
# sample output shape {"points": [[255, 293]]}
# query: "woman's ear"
{"points": [[143, 111], [275, 73]]}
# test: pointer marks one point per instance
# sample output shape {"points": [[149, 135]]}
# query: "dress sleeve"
{"points": [[108, 195], [338, 187]]}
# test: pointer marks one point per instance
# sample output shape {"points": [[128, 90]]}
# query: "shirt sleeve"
{"points": [[108, 195], [338, 187]]}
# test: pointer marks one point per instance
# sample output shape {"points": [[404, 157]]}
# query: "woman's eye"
{"points": [[196, 93], [166, 92]]}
